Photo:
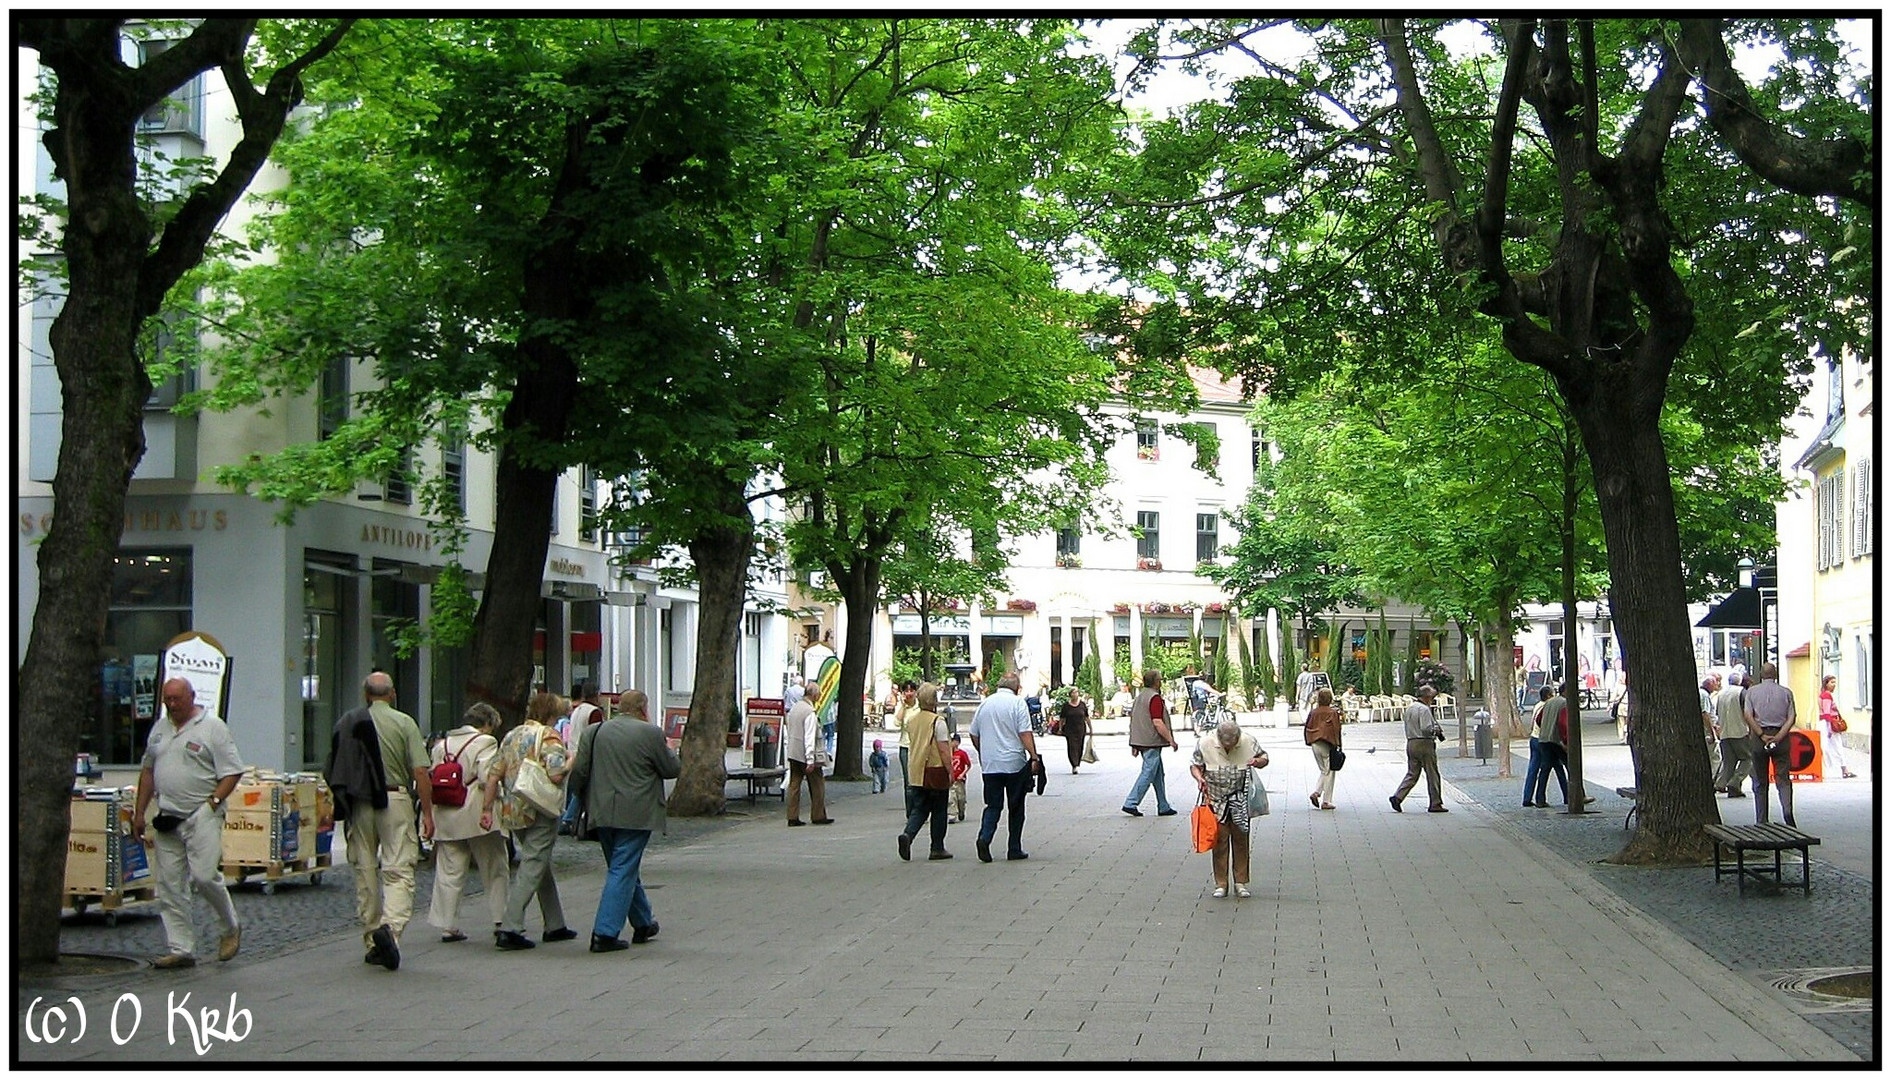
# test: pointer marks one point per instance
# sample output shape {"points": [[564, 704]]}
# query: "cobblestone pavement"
{"points": [[1486, 935], [1834, 929]]}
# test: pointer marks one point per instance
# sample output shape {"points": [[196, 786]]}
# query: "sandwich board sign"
{"points": [[199, 659]]}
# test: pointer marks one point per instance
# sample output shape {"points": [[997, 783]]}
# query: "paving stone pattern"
{"points": [[1484, 935]]}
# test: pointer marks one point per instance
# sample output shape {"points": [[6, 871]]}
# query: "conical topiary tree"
{"points": [[1250, 685], [1411, 662], [1090, 673], [1264, 678], [1290, 665], [1224, 667]]}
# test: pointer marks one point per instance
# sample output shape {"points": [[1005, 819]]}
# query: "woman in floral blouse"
{"points": [[533, 831], [1223, 767]]}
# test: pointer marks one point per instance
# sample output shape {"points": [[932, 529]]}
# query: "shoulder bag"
{"points": [[1336, 759], [535, 785]]}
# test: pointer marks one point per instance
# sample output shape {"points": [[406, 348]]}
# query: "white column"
{"points": [[877, 681], [1135, 645], [975, 640]]}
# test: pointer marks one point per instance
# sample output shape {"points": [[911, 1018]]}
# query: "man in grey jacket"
{"points": [[1422, 733], [622, 764]]}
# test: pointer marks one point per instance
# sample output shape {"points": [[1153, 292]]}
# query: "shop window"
{"points": [[150, 605], [393, 612], [327, 598]]}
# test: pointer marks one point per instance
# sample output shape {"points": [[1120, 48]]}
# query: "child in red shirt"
{"points": [[961, 765]]}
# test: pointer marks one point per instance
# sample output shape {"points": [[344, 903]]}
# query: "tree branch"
{"points": [[1844, 167]]}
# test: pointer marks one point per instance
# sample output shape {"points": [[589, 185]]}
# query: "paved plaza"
{"points": [[1488, 934]]}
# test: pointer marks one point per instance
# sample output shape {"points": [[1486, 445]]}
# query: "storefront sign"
{"points": [[148, 521], [388, 536], [939, 624], [199, 659], [567, 568], [1004, 625]]}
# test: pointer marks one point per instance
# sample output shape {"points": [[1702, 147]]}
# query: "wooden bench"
{"points": [[760, 780], [1633, 795], [1741, 839]]}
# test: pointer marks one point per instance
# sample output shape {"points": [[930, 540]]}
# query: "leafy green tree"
{"points": [[926, 567], [1250, 680], [1619, 245], [950, 371], [124, 250]]}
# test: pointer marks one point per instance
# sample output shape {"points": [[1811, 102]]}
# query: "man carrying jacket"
{"points": [[622, 764]]}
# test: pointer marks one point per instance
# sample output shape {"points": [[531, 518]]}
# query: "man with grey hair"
{"points": [[1007, 756], [190, 767], [1422, 732], [1736, 751], [1770, 717], [382, 848]]}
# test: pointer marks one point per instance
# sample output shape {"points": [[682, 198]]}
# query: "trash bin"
{"points": [[765, 747], [1482, 734]]}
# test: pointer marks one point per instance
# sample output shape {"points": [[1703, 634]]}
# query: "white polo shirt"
{"points": [[188, 762]]}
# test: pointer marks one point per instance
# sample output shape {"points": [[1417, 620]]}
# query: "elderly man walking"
{"points": [[1422, 733], [622, 764], [1007, 756], [190, 767], [379, 743]]}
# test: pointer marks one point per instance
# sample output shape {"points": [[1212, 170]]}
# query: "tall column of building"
{"points": [[974, 621], [1063, 641], [1135, 642]]}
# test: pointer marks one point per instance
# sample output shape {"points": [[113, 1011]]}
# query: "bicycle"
{"points": [[1209, 716]]}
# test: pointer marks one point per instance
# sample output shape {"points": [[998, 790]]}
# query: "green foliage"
{"points": [[1090, 672], [1350, 672], [1169, 659], [1125, 668], [905, 666], [1223, 674], [996, 666]]}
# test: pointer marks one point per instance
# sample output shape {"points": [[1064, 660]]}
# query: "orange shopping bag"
{"points": [[1205, 828]]}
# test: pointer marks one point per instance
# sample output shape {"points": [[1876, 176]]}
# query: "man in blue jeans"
{"points": [[1149, 735], [1007, 756], [622, 764]]}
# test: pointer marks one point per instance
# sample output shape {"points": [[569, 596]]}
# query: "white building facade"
{"points": [[307, 610]]}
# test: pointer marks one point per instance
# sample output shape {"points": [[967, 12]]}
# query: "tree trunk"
{"points": [[1500, 684], [722, 559], [1649, 601], [103, 388], [537, 416], [1569, 686], [860, 590]]}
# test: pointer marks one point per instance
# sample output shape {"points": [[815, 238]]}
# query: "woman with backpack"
{"points": [[460, 757]]}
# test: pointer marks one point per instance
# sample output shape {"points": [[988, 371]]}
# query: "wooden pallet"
{"points": [[110, 902], [271, 872]]}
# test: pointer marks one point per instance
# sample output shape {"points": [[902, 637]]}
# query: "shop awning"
{"points": [[1739, 611]]}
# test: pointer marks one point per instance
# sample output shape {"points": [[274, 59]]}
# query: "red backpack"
{"points": [[448, 778]]}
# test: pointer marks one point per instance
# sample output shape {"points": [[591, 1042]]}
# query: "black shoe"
{"points": [[961, 818], [1437, 810], [374, 955], [1017, 856], [1132, 811], [1170, 812], [824, 821], [1736, 794], [563, 933], [600, 943], [1394, 800], [984, 851], [641, 934], [906, 848], [511, 940], [793, 821], [937, 855], [389, 949], [448, 939]]}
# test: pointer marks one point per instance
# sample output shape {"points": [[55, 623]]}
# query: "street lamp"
{"points": [[1746, 572]]}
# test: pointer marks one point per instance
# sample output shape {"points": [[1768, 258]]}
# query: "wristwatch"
{"points": [[216, 803]]}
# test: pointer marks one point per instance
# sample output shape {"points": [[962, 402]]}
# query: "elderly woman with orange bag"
{"points": [[1223, 768]]}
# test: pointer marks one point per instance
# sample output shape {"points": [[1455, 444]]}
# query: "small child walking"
{"points": [[961, 765], [877, 762]]}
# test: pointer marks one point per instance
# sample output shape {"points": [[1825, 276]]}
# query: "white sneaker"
{"points": [[1242, 891], [1219, 893]]}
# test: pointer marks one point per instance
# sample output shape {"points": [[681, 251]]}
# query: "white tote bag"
{"points": [[1257, 795], [535, 786]]}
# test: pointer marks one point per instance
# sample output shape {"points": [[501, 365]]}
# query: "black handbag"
{"points": [[1336, 759]]}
